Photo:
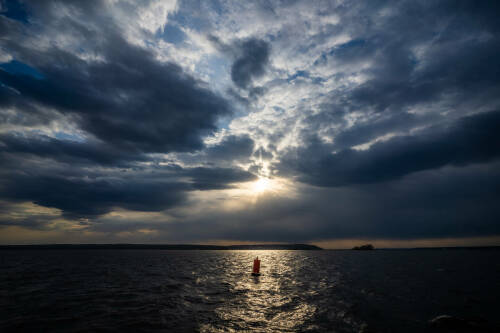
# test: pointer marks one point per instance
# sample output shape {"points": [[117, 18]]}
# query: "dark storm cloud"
{"points": [[398, 83], [473, 139], [31, 221], [450, 202], [250, 60], [231, 148], [82, 193], [379, 125], [65, 150], [217, 178], [129, 100], [251, 63], [80, 197], [423, 56], [125, 102]]}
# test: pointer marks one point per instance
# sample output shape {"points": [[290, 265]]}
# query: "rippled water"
{"points": [[213, 291]]}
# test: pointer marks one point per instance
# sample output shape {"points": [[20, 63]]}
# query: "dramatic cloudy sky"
{"points": [[328, 122]]}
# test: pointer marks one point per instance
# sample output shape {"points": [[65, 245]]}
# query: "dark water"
{"points": [[212, 291]]}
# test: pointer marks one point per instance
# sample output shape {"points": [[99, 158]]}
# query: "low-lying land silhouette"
{"points": [[164, 247]]}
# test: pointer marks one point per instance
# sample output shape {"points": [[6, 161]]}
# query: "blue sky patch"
{"points": [[15, 11], [18, 68], [173, 34]]}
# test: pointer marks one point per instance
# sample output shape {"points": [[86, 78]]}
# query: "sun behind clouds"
{"points": [[263, 184]]}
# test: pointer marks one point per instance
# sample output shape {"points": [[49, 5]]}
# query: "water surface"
{"points": [[213, 291]]}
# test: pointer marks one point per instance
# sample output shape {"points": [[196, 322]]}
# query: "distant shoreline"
{"points": [[217, 247], [159, 247]]}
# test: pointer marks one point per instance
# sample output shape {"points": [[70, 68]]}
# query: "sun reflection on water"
{"points": [[271, 302]]}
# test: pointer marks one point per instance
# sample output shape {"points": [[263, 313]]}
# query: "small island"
{"points": [[366, 247]]}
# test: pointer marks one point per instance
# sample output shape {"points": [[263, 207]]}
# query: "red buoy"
{"points": [[256, 266]]}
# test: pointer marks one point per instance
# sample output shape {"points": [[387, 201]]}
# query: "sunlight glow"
{"points": [[261, 185], [240, 197]]}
